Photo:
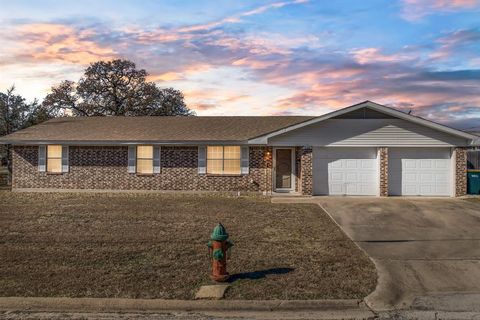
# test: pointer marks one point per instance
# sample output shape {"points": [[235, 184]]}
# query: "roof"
{"points": [[195, 130], [374, 106], [95, 130]]}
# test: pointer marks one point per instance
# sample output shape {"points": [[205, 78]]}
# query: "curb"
{"points": [[156, 305]]}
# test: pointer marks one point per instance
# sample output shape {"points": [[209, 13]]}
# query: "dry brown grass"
{"points": [[154, 246]]}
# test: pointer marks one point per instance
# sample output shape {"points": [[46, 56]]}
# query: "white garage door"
{"points": [[345, 171], [419, 171]]}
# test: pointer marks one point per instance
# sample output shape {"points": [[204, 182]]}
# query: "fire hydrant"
{"points": [[218, 247]]}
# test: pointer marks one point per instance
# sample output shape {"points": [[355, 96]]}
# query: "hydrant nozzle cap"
{"points": [[219, 233]]}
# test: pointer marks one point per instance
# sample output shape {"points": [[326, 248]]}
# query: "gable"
{"points": [[366, 132], [377, 124], [364, 113]]}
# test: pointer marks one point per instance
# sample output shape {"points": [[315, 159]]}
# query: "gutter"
{"points": [[123, 143]]}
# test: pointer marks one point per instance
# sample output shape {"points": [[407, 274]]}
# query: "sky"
{"points": [[287, 57]]}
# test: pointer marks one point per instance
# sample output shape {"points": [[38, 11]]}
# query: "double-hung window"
{"points": [[223, 160], [145, 159], [54, 158]]}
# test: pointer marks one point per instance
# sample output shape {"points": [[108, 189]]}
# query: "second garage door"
{"points": [[419, 172], [345, 171]]}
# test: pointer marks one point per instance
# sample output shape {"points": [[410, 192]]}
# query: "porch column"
{"points": [[383, 160], [460, 158], [306, 165]]}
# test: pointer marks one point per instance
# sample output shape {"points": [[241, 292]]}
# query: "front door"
{"points": [[283, 169]]}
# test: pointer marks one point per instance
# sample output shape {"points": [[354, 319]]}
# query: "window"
{"points": [[145, 159], [223, 160], [54, 158]]}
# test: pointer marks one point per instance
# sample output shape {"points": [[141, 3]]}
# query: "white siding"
{"points": [[366, 132]]}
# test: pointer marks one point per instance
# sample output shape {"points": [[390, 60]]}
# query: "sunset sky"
{"points": [[260, 57]]}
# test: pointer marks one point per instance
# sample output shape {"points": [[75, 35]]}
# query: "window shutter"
{"points": [[65, 166], [202, 160], [156, 159], [244, 160], [42, 158], [132, 154]]}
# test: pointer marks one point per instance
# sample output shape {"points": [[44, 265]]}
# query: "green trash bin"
{"points": [[473, 182]]}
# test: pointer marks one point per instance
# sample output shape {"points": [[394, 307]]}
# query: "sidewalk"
{"points": [[266, 309]]}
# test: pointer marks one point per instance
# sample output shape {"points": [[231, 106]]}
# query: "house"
{"points": [[365, 149]]}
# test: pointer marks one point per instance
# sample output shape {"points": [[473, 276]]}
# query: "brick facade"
{"points": [[460, 171], [298, 169], [106, 168], [4, 176], [383, 160], [306, 173]]}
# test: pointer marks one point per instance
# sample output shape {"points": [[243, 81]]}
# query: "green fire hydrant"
{"points": [[218, 247]]}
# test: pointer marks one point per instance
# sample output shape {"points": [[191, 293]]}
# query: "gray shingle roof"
{"points": [[158, 129]]}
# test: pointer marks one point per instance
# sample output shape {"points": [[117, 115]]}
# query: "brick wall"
{"points": [[460, 172], [4, 176], [383, 159], [306, 174], [298, 169], [106, 168]]}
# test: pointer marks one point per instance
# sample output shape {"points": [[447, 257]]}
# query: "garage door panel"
{"points": [[336, 189], [442, 190], [336, 164], [420, 172], [441, 164], [366, 177], [443, 179], [410, 178], [337, 176], [352, 171], [351, 176], [351, 189], [367, 164], [426, 164], [427, 189], [365, 188], [409, 163], [427, 178]]}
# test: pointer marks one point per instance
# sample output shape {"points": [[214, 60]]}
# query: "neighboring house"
{"points": [[365, 149]]}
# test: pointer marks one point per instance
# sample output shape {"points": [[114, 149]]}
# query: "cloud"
{"points": [[204, 106], [210, 99], [49, 41], [458, 42], [467, 124], [224, 70], [374, 55], [237, 18], [414, 10]]}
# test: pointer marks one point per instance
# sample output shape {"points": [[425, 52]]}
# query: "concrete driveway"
{"points": [[427, 251]]}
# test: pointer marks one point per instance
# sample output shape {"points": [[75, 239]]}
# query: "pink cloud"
{"points": [[204, 106], [179, 72], [374, 55], [44, 41], [414, 10], [451, 43]]}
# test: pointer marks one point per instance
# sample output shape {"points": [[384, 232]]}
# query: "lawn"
{"points": [[154, 246]]}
